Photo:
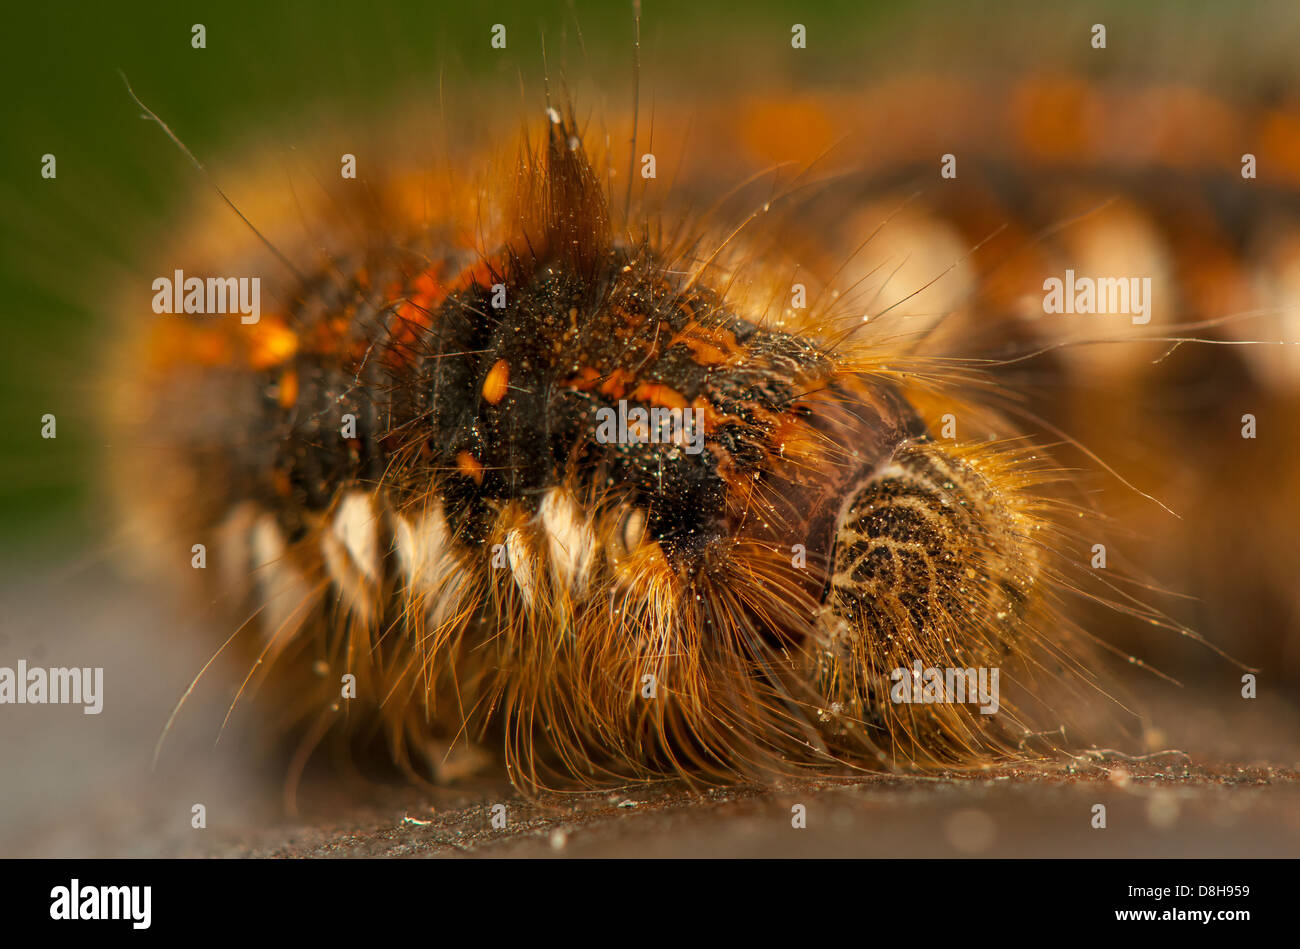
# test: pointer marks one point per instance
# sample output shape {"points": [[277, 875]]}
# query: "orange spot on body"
{"points": [[470, 466], [615, 387], [496, 383], [709, 346], [656, 393]]}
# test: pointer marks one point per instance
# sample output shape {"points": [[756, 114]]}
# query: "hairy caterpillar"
{"points": [[402, 479], [401, 470]]}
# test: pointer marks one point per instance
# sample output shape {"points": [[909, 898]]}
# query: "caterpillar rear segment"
{"points": [[934, 564], [581, 497]]}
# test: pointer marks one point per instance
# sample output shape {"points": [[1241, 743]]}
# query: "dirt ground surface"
{"points": [[1168, 810], [78, 785]]}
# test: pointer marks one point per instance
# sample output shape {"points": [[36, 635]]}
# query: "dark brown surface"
{"points": [[1154, 809], [82, 785]]}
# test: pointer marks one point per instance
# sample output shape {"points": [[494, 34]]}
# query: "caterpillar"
{"points": [[405, 472], [625, 488]]}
